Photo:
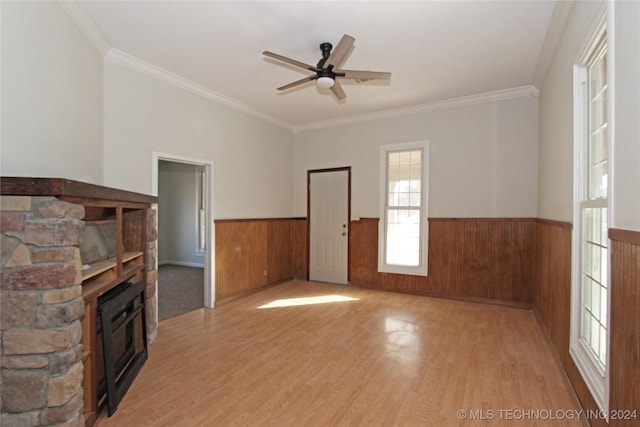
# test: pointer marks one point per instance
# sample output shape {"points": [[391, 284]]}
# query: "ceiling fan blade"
{"points": [[364, 75], [337, 91], [290, 61], [297, 83], [339, 53]]}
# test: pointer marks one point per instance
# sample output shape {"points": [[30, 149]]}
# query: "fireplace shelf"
{"points": [[101, 276], [110, 263]]}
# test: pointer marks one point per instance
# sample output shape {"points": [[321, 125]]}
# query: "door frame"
{"points": [[209, 252], [339, 169]]}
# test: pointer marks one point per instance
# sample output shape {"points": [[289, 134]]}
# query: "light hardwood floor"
{"points": [[348, 356]]}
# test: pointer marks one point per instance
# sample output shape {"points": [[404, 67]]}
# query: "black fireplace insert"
{"points": [[121, 321]]}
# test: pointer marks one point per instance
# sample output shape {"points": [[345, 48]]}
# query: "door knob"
{"points": [[344, 233]]}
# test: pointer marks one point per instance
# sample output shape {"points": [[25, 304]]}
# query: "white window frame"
{"points": [[594, 374], [383, 266]]}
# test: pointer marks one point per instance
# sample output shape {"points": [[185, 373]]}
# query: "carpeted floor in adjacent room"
{"points": [[180, 290]]}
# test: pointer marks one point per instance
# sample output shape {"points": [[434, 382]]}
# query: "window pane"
{"points": [[598, 175], [595, 300], [594, 340], [594, 281], [586, 293], [604, 229], [603, 305], [586, 327], [602, 353], [598, 169], [405, 157], [404, 176], [403, 237]]}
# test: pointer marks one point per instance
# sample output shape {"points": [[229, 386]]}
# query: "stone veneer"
{"points": [[40, 309], [41, 305]]}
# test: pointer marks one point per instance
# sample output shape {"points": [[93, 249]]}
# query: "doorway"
{"points": [[328, 211], [185, 232]]}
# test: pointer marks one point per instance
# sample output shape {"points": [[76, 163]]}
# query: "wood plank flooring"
{"points": [[314, 354]]}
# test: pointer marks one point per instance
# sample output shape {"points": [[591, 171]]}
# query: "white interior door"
{"points": [[328, 226]]}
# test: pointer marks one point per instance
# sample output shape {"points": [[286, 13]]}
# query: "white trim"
{"points": [[422, 269], [611, 119], [611, 116], [181, 263], [92, 30], [596, 29], [209, 258], [117, 56], [95, 35], [494, 96], [87, 25]]}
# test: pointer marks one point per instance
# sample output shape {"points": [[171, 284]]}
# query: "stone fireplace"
{"points": [[45, 301]]}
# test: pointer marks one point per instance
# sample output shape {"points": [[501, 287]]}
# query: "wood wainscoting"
{"points": [[254, 253], [553, 308], [487, 259], [553, 299], [625, 323]]}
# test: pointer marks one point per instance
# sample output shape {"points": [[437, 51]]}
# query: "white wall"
{"points": [[177, 214], [555, 178], [626, 107], [251, 158], [555, 183], [51, 95], [483, 158]]}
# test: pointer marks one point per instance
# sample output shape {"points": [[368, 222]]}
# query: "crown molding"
{"points": [[122, 58], [498, 95], [87, 25], [92, 31], [90, 28]]}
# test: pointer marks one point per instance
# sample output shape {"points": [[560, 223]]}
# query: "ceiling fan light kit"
{"points": [[328, 69], [325, 81]]}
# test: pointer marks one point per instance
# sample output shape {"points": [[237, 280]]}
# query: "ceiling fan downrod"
{"points": [[326, 51]]}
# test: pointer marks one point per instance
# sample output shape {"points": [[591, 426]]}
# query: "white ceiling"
{"points": [[435, 50]]}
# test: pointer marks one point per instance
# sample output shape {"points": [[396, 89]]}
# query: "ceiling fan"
{"points": [[328, 69]]}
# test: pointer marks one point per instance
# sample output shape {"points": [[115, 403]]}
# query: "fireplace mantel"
{"points": [[60, 187]]}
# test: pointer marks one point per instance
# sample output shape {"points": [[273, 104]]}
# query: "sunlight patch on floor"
{"points": [[322, 299]]}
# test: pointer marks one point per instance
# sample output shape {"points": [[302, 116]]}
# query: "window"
{"points": [[201, 186], [402, 232], [590, 291]]}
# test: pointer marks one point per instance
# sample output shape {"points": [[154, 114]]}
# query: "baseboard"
{"points": [[477, 300], [565, 375], [181, 263], [252, 291]]}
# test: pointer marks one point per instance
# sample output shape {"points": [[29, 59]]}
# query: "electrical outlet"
{"points": [[265, 272]]}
